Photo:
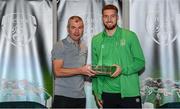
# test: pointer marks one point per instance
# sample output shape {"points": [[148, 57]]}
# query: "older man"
{"points": [[69, 59]]}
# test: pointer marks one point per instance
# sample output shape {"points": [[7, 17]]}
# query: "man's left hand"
{"points": [[117, 72]]}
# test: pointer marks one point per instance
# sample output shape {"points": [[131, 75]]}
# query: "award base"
{"points": [[104, 70]]}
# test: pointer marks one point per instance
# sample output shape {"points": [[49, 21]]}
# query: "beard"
{"points": [[110, 27]]}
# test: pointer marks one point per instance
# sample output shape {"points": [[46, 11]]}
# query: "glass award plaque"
{"points": [[104, 70]]}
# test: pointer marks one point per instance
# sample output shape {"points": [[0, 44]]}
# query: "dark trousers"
{"points": [[67, 102], [114, 100]]}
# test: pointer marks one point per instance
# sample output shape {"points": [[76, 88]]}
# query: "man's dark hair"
{"points": [[110, 6]]}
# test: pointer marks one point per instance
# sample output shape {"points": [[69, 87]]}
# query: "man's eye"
{"points": [[105, 16], [113, 16]]}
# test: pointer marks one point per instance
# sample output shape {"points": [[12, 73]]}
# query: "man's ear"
{"points": [[117, 17], [67, 29]]}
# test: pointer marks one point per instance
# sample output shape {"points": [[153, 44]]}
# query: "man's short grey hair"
{"points": [[76, 18]]}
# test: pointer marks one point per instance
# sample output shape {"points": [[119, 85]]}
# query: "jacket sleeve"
{"points": [[97, 87], [138, 62], [96, 81]]}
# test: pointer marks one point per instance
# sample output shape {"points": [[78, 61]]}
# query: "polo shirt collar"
{"points": [[70, 40]]}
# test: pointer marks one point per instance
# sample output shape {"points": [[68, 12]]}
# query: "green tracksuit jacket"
{"points": [[123, 49]]}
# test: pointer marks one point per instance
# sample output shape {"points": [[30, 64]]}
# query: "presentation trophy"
{"points": [[104, 70]]}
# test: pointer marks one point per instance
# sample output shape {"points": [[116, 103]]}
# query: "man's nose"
{"points": [[76, 30], [109, 18]]}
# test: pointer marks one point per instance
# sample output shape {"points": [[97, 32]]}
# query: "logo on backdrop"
{"points": [[20, 90], [18, 28], [161, 29]]}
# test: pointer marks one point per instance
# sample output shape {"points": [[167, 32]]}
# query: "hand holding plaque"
{"points": [[104, 70]]}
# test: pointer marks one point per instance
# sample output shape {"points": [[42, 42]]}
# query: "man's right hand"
{"points": [[99, 102], [86, 70]]}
